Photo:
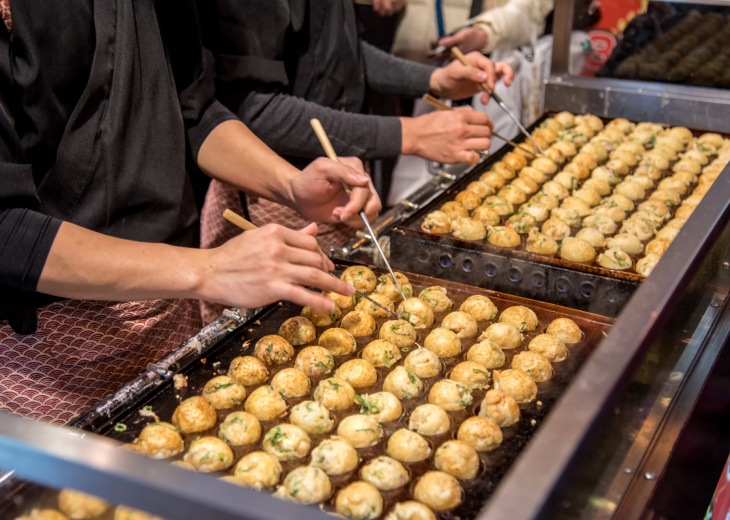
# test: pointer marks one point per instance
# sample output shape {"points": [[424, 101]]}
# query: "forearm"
{"points": [[234, 155], [84, 264], [356, 135], [389, 74]]}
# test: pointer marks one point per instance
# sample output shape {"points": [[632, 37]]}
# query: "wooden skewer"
{"points": [[238, 220], [437, 103]]}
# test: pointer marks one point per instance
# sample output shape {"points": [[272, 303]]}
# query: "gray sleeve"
{"points": [[389, 74], [282, 122]]}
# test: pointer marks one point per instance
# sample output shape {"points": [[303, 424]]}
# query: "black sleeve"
{"points": [[192, 68], [389, 74]]}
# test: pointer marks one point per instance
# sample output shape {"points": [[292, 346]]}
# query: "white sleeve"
{"points": [[515, 24]]}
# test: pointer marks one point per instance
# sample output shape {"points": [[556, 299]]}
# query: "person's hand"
{"points": [[388, 7], [271, 263], [467, 40], [318, 195], [455, 81], [447, 136]]}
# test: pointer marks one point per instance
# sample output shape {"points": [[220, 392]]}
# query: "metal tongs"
{"points": [[330, 151], [460, 56]]}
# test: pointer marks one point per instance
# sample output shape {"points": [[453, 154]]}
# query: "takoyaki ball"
{"points": [[588, 195], [258, 470], [521, 317], [631, 190], [540, 244], [315, 361], [656, 159], [359, 500], [399, 332], [585, 160], [436, 297], [566, 119], [461, 324], [648, 170], [334, 394], [592, 236], [600, 186], [631, 146], [360, 373], [514, 161], [544, 165], [600, 223], [535, 211], [646, 265], [240, 428], [194, 415], [429, 419], [714, 140], [385, 473], [479, 307], [450, 395], [381, 406], [274, 349], [407, 446], [578, 205], [386, 285], [305, 485], [265, 403], [347, 302], [335, 456], [638, 228], [626, 242], [666, 151], [567, 215], [499, 205], [500, 407], [548, 134], [52, 514], [358, 323], [684, 212], [591, 121], [291, 382], [454, 210], [471, 374], [503, 236], [667, 233], [482, 189], [487, 353], [76, 504], [505, 335], [297, 331], [651, 220], [224, 392], [134, 448], [360, 277], [381, 353], [512, 194], [535, 365], [555, 228], [208, 454], [627, 157], [339, 342], [597, 150], [681, 133], [410, 510], [606, 174], [468, 199], [686, 177], [403, 383], [286, 442], [670, 141], [645, 182], [547, 200], [438, 490], [416, 312], [655, 206], [492, 179], [443, 342], [689, 165], [360, 430], [552, 124], [519, 222], [436, 222], [615, 213], [535, 175], [505, 170], [567, 148], [577, 250], [487, 216], [458, 459], [675, 223], [322, 318], [160, 440], [567, 179], [516, 384], [658, 246], [555, 189], [552, 347], [623, 125], [622, 202], [525, 184], [697, 155], [481, 433], [423, 363], [565, 329], [248, 370], [693, 200], [311, 417]]}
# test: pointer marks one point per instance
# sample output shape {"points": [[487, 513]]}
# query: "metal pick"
{"points": [[368, 298]]}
